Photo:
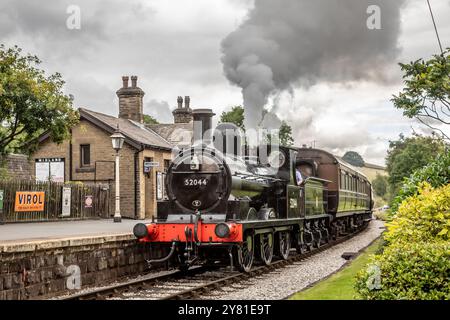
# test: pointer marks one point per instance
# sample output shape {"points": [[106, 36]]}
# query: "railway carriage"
{"points": [[226, 208]]}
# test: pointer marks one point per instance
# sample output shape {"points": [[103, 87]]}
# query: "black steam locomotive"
{"points": [[232, 208]]}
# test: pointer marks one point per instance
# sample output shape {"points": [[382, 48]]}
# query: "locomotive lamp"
{"points": [[225, 230], [117, 140]]}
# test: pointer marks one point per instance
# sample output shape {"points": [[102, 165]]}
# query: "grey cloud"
{"points": [[291, 42], [160, 110]]}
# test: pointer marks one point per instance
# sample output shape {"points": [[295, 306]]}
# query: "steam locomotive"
{"points": [[224, 207]]}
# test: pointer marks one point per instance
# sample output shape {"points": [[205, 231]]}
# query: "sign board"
{"points": [[29, 201], [1, 200], [148, 165], [42, 171], [57, 171], [49, 169], [159, 186], [88, 200], [66, 201]]}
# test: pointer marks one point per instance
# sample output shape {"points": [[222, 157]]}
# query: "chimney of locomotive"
{"points": [[203, 125], [131, 100]]}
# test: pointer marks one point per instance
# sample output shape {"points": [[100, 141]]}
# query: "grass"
{"points": [[340, 285]]}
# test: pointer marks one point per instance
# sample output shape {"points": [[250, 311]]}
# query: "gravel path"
{"points": [[284, 282]]}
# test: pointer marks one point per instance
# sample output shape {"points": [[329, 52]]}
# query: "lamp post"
{"points": [[117, 140]]}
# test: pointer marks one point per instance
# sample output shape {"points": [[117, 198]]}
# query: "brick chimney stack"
{"points": [[131, 100], [180, 114]]}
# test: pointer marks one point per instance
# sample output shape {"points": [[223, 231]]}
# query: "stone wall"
{"points": [[17, 166], [42, 269]]}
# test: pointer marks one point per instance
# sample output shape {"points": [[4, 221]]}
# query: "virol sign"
{"points": [[27, 201]]}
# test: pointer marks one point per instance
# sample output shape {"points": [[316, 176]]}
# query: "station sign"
{"points": [[148, 165], [66, 201], [49, 169], [88, 200], [29, 201]]}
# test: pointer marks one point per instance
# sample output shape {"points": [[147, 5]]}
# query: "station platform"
{"points": [[16, 233], [43, 259]]}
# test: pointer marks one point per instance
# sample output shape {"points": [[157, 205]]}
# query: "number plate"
{"points": [[195, 182]]}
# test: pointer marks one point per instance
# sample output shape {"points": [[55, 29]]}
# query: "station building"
{"points": [[88, 157]]}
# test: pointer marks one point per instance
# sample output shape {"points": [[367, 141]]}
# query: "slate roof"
{"points": [[136, 134], [174, 133]]}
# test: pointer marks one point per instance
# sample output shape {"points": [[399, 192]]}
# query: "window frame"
{"points": [[83, 153]]}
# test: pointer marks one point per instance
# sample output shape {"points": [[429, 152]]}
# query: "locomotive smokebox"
{"points": [[202, 125]]}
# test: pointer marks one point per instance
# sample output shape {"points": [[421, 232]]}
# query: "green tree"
{"points": [[235, 115], [31, 103], [148, 119], [436, 173], [285, 135], [409, 154], [426, 95], [380, 185], [354, 158]]}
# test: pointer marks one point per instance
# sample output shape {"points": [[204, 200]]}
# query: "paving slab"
{"points": [[43, 232]]}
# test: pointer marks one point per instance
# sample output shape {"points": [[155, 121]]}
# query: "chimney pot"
{"points": [[134, 81], [125, 81], [187, 101], [180, 102]]}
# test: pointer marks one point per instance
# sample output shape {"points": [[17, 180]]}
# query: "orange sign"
{"points": [[27, 201]]}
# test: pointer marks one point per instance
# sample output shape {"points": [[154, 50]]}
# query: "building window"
{"points": [[85, 152], [166, 165]]}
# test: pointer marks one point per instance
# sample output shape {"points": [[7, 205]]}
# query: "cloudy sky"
{"points": [[317, 66]]}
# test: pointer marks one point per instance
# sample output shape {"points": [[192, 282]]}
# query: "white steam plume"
{"points": [[287, 43]]}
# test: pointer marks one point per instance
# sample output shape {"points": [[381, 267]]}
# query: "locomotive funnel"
{"points": [[202, 125]]}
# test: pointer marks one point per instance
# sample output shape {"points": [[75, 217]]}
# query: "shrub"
{"points": [[383, 215], [436, 173], [415, 261], [407, 271], [423, 217]]}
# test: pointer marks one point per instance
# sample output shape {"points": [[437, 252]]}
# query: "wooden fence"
{"points": [[87, 201]]}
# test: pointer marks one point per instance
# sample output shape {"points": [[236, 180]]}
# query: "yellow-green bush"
{"points": [[423, 217], [415, 264]]}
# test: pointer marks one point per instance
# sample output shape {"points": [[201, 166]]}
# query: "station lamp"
{"points": [[117, 143]]}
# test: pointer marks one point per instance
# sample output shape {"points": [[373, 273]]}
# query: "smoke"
{"points": [[160, 110], [288, 43]]}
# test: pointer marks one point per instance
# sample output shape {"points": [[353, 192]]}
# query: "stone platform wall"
{"points": [[42, 269]]}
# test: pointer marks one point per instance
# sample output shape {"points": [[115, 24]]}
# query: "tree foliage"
{"points": [[354, 158], [285, 135], [426, 95], [409, 154], [380, 185], [148, 119], [30, 102], [436, 173], [235, 115]]}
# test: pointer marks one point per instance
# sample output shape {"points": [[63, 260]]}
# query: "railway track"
{"points": [[198, 281]]}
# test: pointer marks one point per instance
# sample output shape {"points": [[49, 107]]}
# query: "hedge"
{"points": [[415, 264]]}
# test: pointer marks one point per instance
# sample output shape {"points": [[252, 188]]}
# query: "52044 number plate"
{"points": [[195, 182]]}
